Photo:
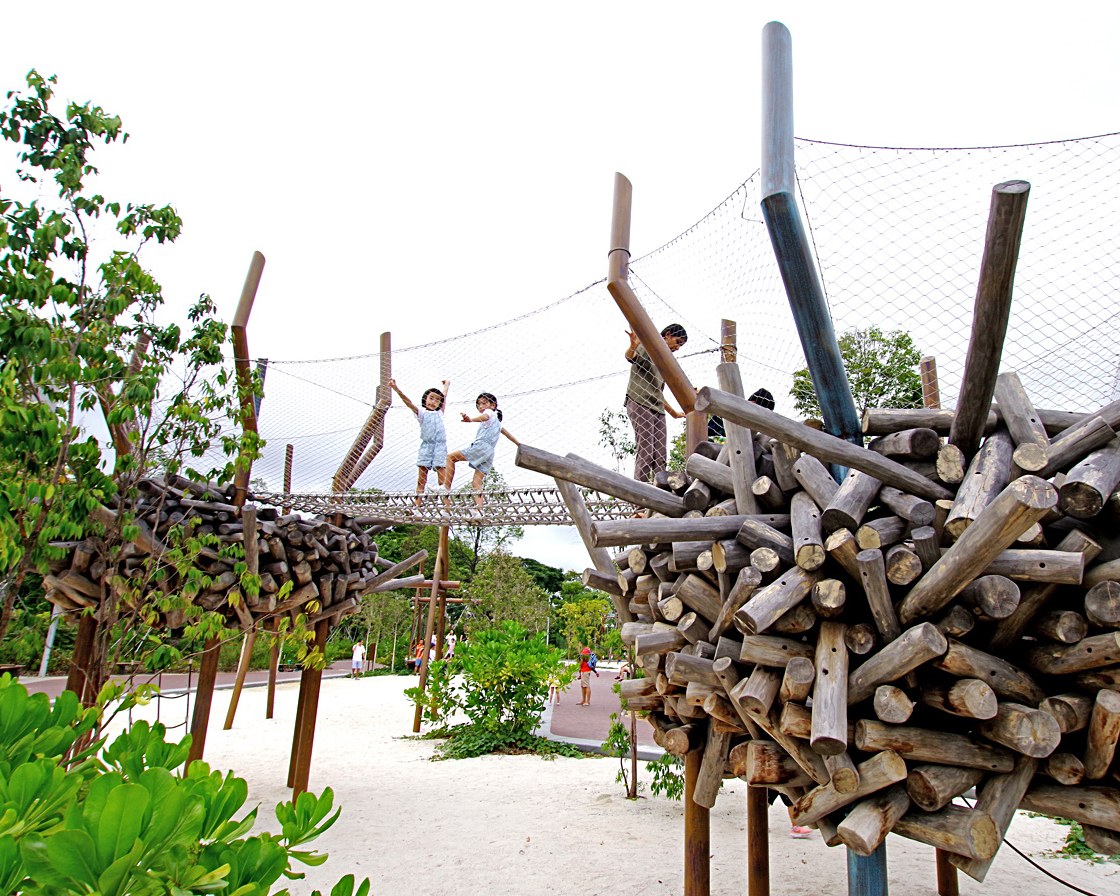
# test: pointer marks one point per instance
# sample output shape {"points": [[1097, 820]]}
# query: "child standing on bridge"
{"points": [[479, 455], [433, 437]]}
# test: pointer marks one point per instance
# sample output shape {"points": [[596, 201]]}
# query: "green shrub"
{"points": [[80, 816], [499, 679], [668, 776]]}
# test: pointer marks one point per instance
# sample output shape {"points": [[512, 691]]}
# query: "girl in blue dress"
{"points": [[479, 455], [433, 438]]}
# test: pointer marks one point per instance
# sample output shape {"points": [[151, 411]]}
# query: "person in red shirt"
{"points": [[585, 671]]}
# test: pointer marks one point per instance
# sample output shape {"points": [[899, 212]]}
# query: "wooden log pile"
{"points": [[877, 646], [329, 566]]}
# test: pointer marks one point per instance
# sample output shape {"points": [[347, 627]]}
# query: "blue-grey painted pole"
{"points": [[867, 875], [791, 246]]}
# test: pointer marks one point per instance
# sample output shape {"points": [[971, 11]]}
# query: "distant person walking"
{"points": [[357, 659], [646, 405], [587, 664]]}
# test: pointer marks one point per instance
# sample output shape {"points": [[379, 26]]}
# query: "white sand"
{"points": [[519, 824]]}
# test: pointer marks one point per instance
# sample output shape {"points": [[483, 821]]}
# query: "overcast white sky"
{"points": [[431, 168]]}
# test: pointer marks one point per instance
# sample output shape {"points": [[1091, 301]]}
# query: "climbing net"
{"points": [[897, 234]]}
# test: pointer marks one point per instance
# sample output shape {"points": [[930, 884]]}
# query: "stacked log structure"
{"points": [[330, 564], [877, 646]]}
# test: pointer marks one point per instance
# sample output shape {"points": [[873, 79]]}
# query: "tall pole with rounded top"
{"points": [[791, 245]]}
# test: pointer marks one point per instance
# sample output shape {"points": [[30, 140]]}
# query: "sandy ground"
{"points": [[519, 824]]}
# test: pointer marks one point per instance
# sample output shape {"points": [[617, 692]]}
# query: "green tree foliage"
{"points": [[505, 593], [79, 336], [550, 578], [80, 817], [583, 615], [882, 372], [499, 679]]}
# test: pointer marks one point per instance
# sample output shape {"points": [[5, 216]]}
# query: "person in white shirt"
{"points": [[357, 659]]}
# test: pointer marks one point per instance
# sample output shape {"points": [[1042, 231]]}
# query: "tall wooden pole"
{"points": [[697, 831], [931, 391], [78, 675], [990, 313], [947, 883], [867, 875], [239, 681], [310, 713], [758, 841], [429, 629], [244, 371], [203, 698], [618, 257], [728, 342], [273, 665], [791, 245], [289, 451]]}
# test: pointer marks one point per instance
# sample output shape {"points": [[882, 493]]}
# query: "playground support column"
{"points": [[990, 313], [728, 347], [273, 664], [791, 246], [867, 875], [289, 451], [78, 677], [429, 629], [305, 732], [203, 698], [947, 884], [618, 257], [252, 567], [931, 392], [697, 832], [758, 842], [244, 373]]}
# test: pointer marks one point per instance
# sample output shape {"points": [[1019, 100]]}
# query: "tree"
{"points": [[79, 337], [505, 593], [882, 372]]}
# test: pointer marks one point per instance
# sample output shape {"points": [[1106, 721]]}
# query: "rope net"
{"points": [[898, 236]]}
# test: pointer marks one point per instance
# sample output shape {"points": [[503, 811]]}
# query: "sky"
{"points": [[427, 169]]}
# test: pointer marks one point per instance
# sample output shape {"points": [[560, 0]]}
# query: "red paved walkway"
{"points": [[592, 722]]}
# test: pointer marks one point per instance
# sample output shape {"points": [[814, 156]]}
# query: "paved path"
{"points": [[584, 726]]}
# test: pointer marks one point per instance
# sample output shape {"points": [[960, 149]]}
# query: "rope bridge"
{"points": [[537, 506]]}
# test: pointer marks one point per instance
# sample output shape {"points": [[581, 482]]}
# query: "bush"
{"points": [[499, 679], [73, 822]]}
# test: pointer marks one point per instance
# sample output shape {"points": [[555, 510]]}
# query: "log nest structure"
{"points": [[329, 564], [875, 644]]}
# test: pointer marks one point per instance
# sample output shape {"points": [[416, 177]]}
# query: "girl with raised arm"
{"points": [[433, 437]]}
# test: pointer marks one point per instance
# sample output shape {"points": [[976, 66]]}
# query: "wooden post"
{"points": [[244, 372], [297, 729], [728, 347], [758, 842], [204, 695], [252, 566], [697, 832], [372, 433], [791, 246], [239, 682], [867, 875], [289, 451], [78, 676], [991, 313], [931, 391], [429, 629], [306, 729], [273, 665], [618, 256]]}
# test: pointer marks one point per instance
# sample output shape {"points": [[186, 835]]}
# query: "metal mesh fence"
{"points": [[898, 235]]}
